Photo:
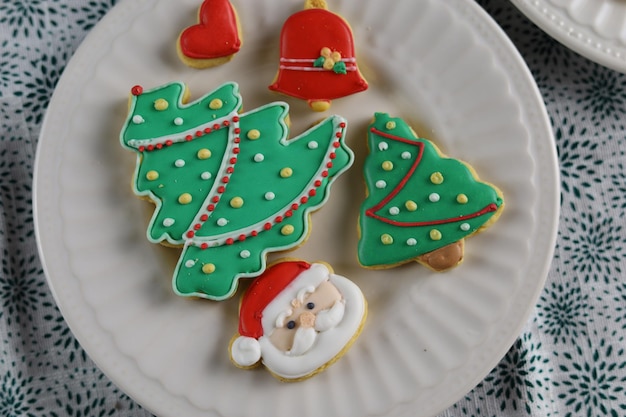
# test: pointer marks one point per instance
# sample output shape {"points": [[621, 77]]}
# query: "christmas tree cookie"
{"points": [[317, 58], [228, 187], [420, 204]]}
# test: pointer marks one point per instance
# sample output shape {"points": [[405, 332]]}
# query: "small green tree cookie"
{"points": [[420, 204]]}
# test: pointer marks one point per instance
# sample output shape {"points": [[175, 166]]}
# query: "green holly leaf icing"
{"points": [[233, 187], [418, 200], [319, 62], [340, 68]]}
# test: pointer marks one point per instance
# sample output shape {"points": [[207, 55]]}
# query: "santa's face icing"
{"points": [[297, 327]]}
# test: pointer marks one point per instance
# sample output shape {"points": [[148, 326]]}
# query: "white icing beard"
{"points": [[303, 340], [343, 319]]}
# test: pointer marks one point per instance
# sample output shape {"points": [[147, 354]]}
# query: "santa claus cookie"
{"points": [[297, 319], [317, 58], [214, 40], [420, 204], [228, 187]]}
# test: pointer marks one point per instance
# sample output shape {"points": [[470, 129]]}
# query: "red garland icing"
{"points": [[303, 36], [215, 36], [262, 291], [371, 212]]}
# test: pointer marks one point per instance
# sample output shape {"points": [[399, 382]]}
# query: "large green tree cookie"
{"points": [[420, 204], [228, 187]]}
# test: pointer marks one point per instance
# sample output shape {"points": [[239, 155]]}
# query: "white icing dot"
{"points": [[406, 155], [394, 211], [137, 119], [411, 242], [465, 227], [244, 254], [259, 157], [383, 146], [270, 195], [206, 175], [434, 197], [168, 222], [190, 263], [381, 184], [178, 121], [179, 163], [222, 222], [313, 145]]}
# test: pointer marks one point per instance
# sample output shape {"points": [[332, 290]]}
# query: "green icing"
{"points": [[230, 265], [231, 189], [174, 181], [399, 202], [161, 123], [253, 180]]}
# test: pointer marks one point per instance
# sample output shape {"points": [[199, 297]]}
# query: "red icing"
{"points": [[262, 291], [303, 36], [215, 36], [136, 90]]}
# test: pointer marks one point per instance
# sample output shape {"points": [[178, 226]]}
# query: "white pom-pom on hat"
{"points": [[245, 351]]}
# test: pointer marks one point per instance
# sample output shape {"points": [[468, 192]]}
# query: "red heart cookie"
{"points": [[214, 38]]}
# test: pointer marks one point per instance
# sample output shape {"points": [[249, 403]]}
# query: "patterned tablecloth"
{"points": [[569, 359]]}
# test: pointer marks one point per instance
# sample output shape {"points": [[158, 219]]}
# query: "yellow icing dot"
{"points": [[461, 199], [286, 172], [325, 52], [216, 104], [152, 175], [436, 178], [435, 234], [328, 64], [236, 202], [286, 230], [204, 153], [254, 134], [319, 105], [387, 165], [386, 239], [184, 198], [410, 205], [390, 125], [161, 104], [208, 268]]}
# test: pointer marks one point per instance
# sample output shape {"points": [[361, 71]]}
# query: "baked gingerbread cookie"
{"points": [[420, 204], [214, 40], [297, 319], [317, 57], [228, 187]]}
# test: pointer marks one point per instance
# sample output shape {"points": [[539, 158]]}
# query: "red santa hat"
{"points": [[269, 294]]}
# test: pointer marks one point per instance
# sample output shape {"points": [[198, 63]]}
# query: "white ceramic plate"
{"points": [[596, 29], [442, 64]]}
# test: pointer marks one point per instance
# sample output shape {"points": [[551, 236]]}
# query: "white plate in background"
{"points": [[596, 29]]}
